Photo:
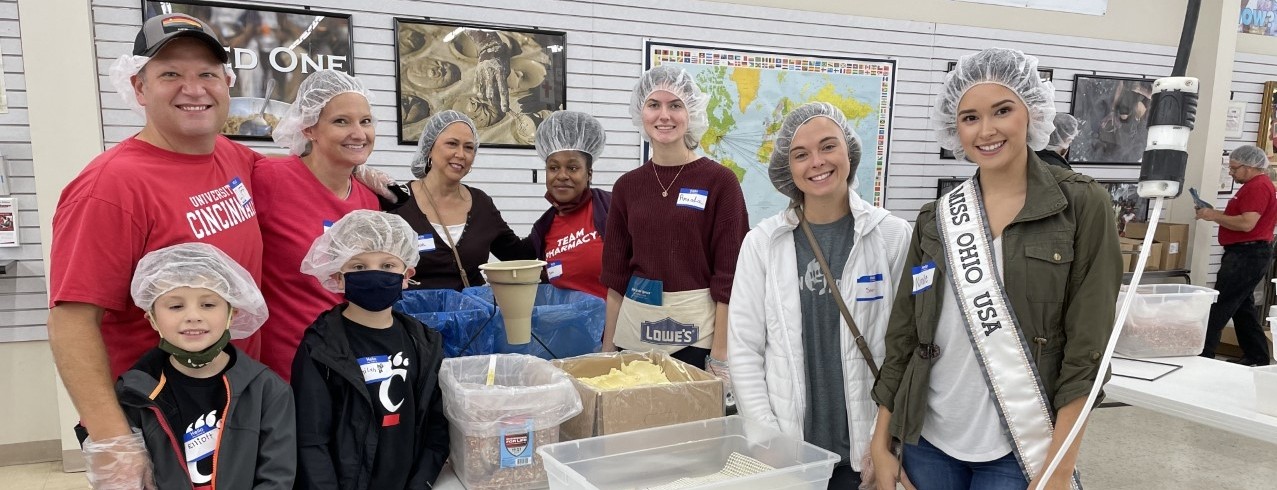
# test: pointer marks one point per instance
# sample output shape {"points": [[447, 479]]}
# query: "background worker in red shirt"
{"points": [[1246, 233]]}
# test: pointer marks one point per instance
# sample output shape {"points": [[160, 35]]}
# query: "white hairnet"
{"points": [[1009, 68], [781, 176], [127, 65], [200, 265], [570, 130], [431, 131], [361, 231], [1065, 131], [676, 81], [312, 96], [1250, 156]]}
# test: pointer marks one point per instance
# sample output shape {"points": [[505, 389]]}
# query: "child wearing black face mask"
{"points": [[365, 377]]}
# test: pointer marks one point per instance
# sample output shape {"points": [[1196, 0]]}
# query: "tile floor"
{"points": [[1125, 448]]}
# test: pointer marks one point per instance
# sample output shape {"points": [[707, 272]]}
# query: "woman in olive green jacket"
{"points": [[1056, 249]]}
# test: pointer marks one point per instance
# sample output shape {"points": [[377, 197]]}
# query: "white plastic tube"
{"points": [[1119, 322]]}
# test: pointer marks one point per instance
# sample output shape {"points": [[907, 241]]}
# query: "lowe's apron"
{"points": [[652, 319], [992, 328]]}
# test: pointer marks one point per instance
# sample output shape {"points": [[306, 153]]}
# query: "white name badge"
{"points": [[554, 269], [375, 368], [869, 288], [692, 198], [241, 191], [327, 224], [923, 276], [426, 243]]}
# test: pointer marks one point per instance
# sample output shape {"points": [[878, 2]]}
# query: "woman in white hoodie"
{"points": [[796, 365]]}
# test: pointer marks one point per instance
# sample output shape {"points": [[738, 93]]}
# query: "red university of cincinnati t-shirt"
{"points": [[574, 252], [294, 209], [136, 198], [1257, 195]]}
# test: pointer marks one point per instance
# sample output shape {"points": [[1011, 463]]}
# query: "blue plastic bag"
{"points": [[569, 323], [463, 320]]}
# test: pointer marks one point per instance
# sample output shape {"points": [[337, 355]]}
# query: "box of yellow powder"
{"points": [[626, 395]]}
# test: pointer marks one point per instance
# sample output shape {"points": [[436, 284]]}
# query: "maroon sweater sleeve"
{"points": [[731, 223]]}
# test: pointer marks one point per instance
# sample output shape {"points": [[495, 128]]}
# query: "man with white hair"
{"points": [[1246, 233], [176, 181]]}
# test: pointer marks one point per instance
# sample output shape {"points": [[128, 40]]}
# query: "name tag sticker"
{"points": [[554, 269], [923, 276], [692, 198], [869, 288], [426, 243], [241, 192], [327, 224], [375, 368]]}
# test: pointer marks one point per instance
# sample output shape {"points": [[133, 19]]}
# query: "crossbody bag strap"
{"points": [[447, 234], [833, 285]]}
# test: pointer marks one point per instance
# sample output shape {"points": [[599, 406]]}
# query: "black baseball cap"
{"points": [[159, 30]]}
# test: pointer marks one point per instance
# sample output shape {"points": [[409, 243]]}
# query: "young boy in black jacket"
{"points": [[210, 417], [366, 378]]}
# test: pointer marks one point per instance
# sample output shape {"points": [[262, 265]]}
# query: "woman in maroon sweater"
{"points": [[673, 232]]}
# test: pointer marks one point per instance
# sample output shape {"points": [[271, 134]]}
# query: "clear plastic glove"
{"points": [[119, 462], [380, 182], [720, 370]]}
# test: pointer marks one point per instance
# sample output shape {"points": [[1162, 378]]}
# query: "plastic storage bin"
{"points": [[496, 426], [463, 320], [565, 323], [1265, 389], [1165, 320], [690, 455]]}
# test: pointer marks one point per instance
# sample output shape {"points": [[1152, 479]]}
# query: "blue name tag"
{"points": [[692, 198], [646, 291], [425, 243], [375, 368], [554, 269], [923, 276], [869, 288], [327, 224]]}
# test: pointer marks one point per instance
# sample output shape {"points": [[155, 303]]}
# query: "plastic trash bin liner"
{"points": [[463, 320], [569, 323]]}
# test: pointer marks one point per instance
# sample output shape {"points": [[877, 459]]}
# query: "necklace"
{"points": [[665, 189]]}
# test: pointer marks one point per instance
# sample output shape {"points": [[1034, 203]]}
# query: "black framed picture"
{"points": [[945, 185], [1128, 206], [272, 50], [1046, 74], [508, 80], [1111, 114]]}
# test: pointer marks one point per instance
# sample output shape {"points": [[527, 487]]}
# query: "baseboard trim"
{"points": [[30, 452], [73, 461]]}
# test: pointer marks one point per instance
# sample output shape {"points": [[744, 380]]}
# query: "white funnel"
{"points": [[514, 284]]}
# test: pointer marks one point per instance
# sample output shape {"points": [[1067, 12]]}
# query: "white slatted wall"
{"points": [[605, 54], [23, 299]]}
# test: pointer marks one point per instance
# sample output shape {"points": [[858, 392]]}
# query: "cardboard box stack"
{"points": [[1173, 238], [1130, 254], [692, 395]]}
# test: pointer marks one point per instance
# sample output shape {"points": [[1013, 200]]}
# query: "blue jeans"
{"points": [[929, 468]]}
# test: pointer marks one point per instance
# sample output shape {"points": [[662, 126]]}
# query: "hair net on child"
{"points": [[1065, 131], [200, 265], [312, 96], [1009, 68], [571, 130], [361, 231], [1249, 156], [676, 81], [431, 131], [781, 176], [127, 65]]}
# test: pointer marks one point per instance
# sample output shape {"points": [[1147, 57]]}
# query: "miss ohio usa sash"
{"points": [[992, 328]]}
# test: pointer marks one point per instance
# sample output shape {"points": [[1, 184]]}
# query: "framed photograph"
{"points": [[945, 185], [749, 93], [1267, 121], [507, 80], [1046, 74], [1111, 113], [1127, 204], [1225, 176], [272, 50]]}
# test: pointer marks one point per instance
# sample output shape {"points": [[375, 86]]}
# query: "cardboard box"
{"points": [[1154, 253], [692, 395], [1174, 239], [1128, 261]]}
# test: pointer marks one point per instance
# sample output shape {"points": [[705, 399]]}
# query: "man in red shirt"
{"points": [[1246, 233], [176, 181]]}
